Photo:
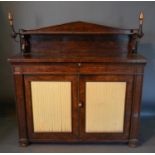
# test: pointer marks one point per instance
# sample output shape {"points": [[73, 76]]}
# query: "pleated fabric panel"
{"points": [[51, 106], [105, 103]]}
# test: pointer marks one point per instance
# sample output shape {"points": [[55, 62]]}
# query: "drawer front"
{"points": [[106, 68], [78, 68], [49, 68]]}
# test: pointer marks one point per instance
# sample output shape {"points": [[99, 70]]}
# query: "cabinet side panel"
{"points": [[105, 103], [21, 112], [51, 106], [135, 116]]}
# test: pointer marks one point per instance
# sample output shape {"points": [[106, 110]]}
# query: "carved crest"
{"points": [[77, 27]]}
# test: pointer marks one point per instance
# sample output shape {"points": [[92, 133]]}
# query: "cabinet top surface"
{"points": [[78, 57]]}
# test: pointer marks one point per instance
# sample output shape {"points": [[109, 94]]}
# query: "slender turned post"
{"points": [[134, 37], [14, 33], [141, 20], [24, 44]]}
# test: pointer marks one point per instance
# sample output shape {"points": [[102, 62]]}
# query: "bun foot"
{"points": [[23, 142], [133, 143]]}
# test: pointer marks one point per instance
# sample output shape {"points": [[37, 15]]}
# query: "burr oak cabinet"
{"points": [[78, 82]]}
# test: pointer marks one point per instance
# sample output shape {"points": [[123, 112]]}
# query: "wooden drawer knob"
{"points": [[79, 64]]}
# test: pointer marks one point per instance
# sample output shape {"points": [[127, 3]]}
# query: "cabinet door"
{"points": [[51, 104], [106, 107]]}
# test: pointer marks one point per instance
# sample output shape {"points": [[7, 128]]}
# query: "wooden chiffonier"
{"points": [[78, 82]]}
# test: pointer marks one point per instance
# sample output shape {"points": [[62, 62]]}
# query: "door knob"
{"points": [[80, 104]]}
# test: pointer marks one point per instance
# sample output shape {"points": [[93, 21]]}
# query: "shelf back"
{"points": [[78, 37]]}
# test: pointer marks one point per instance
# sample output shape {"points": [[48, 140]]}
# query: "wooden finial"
{"points": [[141, 18], [10, 18]]}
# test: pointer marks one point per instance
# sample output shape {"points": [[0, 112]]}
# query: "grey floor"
{"points": [[9, 140]]}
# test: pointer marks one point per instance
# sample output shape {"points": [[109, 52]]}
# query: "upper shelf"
{"points": [[79, 27], [70, 36]]}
